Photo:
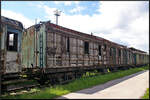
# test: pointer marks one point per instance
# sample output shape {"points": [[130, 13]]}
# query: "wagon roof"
{"points": [[137, 50], [12, 22]]}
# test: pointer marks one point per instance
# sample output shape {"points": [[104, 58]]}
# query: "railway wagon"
{"points": [[10, 46], [10, 49], [47, 45], [53, 49], [139, 57]]}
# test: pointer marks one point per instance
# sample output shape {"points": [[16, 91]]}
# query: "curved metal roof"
{"points": [[12, 22]]}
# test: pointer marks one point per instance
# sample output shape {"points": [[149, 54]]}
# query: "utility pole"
{"points": [[57, 13]]}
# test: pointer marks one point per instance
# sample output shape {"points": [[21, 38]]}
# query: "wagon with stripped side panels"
{"points": [[10, 48], [139, 57], [10, 40], [59, 54]]}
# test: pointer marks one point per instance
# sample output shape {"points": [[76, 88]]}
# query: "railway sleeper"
{"points": [[13, 81], [27, 87], [17, 86], [10, 76]]}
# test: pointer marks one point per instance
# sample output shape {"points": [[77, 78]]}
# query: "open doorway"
{"points": [[12, 41]]}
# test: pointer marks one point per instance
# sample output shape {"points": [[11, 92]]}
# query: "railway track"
{"points": [[16, 90], [17, 85]]}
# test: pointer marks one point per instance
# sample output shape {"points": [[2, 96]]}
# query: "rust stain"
{"points": [[18, 58], [31, 31]]}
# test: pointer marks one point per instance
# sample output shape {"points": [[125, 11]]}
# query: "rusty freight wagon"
{"points": [[62, 54], [53, 49], [139, 57], [47, 45], [10, 46]]}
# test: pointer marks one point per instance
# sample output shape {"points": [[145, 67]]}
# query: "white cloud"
{"points": [[66, 3], [76, 2], [57, 2], [77, 9], [124, 22], [17, 16], [50, 13], [132, 21], [121, 22]]}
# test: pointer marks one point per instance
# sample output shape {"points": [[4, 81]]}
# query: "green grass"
{"points": [[78, 84], [146, 95]]}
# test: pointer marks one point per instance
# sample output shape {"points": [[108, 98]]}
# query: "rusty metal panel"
{"points": [[80, 60], [73, 60], [34, 46], [137, 58], [1, 31], [42, 32], [54, 56], [2, 49], [3, 36], [95, 53], [122, 56], [28, 48], [106, 53]]}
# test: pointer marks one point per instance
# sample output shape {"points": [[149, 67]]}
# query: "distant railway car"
{"points": [[10, 45], [139, 57]]}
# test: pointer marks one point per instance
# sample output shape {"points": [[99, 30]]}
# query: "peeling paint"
{"points": [[31, 47], [11, 57], [54, 52]]}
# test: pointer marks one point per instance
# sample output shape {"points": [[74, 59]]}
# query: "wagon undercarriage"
{"points": [[64, 75]]}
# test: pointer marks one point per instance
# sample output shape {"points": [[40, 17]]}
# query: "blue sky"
{"points": [[29, 8], [123, 22]]}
